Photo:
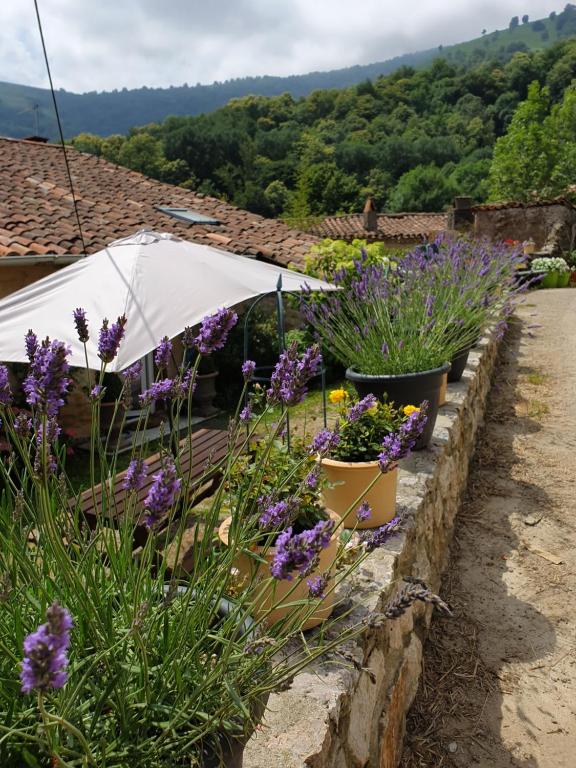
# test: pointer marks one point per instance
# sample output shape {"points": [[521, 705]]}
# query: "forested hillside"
{"points": [[412, 139], [25, 110]]}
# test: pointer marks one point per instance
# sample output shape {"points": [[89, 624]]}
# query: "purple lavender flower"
{"points": [[312, 478], [376, 538], [162, 494], [275, 513], [46, 652], [31, 342], [164, 389], [47, 381], [81, 325], [398, 445], [246, 414], [133, 372], [385, 349], [96, 392], [360, 408], [163, 353], [248, 368], [392, 451], [214, 330], [364, 512], [110, 338], [135, 476], [317, 585], [291, 374], [5, 393], [300, 552], [324, 442]]}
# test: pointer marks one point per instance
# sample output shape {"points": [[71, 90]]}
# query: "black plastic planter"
{"points": [[457, 365], [405, 389]]}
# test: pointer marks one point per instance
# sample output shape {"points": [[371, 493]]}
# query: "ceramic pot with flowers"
{"points": [[360, 478]]}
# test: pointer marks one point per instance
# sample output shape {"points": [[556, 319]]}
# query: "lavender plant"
{"points": [[111, 656], [417, 317]]}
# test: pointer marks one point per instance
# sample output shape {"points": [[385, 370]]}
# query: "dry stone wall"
{"points": [[340, 714]]}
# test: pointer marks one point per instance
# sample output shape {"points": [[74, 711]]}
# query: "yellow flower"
{"points": [[408, 409], [338, 395]]}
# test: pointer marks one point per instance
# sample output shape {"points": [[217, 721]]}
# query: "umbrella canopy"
{"points": [[161, 284]]}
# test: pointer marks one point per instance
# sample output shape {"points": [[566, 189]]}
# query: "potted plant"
{"points": [[359, 487], [551, 269], [205, 392], [398, 330]]}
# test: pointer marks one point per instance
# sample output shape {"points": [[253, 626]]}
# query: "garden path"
{"points": [[499, 683]]}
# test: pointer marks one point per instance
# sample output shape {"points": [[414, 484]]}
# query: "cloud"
{"points": [[106, 44]]}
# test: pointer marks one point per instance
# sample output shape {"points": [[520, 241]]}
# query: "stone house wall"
{"points": [[552, 227], [333, 715]]}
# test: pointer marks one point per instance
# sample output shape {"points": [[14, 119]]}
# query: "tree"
{"points": [[514, 21], [525, 19], [522, 160], [424, 188]]}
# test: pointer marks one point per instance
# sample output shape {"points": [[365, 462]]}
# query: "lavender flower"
{"points": [[135, 476], [275, 513], [214, 331], [188, 337], [45, 652], [360, 408], [246, 414], [300, 552], [5, 393], [162, 494], [31, 342], [163, 353], [376, 538], [398, 445], [47, 381], [364, 512], [133, 372], [317, 585], [81, 325], [312, 478], [248, 368], [22, 425], [110, 338], [96, 392], [291, 374], [392, 451], [324, 442], [164, 389]]}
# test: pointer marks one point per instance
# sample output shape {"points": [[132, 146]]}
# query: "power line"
{"points": [[68, 171]]}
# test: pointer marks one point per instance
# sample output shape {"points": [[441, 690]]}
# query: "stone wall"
{"points": [[334, 716], [552, 227]]}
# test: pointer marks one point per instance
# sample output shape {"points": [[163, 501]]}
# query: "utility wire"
{"points": [[75, 202]]}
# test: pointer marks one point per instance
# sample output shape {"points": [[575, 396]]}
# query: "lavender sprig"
{"points": [[110, 338], [162, 494], [81, 324], [46, 652], [214, 331]]}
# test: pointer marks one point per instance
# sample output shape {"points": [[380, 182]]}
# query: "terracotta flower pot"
{"points": [[443, 390], [348, 481], [272, 597]]}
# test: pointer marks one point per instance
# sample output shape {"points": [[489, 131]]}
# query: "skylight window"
{"points": [[185, 214]]}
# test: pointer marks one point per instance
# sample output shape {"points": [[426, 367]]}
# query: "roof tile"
{"points": [[36, 208]]}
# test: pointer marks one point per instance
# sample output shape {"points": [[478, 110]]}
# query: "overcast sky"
{"points": [[105, 44]]}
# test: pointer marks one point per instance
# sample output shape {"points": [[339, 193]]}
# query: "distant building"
{"points": [[392, 229]]}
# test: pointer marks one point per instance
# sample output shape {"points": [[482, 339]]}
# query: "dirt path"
{"points": [[499, 683]]}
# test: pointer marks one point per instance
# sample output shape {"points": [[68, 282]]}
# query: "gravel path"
{"points": [[499, 683]]}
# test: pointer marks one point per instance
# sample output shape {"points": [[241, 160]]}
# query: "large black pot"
{"points": [[405, 389], [457, 365]]}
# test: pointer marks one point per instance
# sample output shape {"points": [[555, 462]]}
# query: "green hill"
{"points": [[117, 111]]}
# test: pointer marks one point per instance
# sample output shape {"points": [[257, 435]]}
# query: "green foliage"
{"points": [[424, 188], [330, 256], [537, 156]]}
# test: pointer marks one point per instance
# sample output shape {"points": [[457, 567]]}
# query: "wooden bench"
{"points": [[199, 467]]}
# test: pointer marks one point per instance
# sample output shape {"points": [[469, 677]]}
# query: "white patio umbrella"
{"points": [[160, 282]]}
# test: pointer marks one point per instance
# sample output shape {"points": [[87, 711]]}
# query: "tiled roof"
{"points": [[395, 226], [515, 204], [37, 215]]}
